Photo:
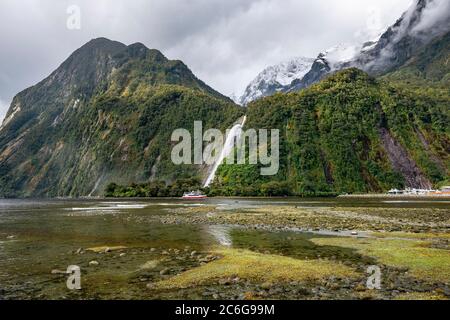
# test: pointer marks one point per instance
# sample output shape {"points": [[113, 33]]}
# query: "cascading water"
{"points": [[233, 135]]}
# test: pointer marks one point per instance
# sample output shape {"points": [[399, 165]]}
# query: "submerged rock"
{"points": [[56, 271], [164, 271], [266, 285]]}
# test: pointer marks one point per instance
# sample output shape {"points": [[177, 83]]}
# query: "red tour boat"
{"points": [[194, 195]]}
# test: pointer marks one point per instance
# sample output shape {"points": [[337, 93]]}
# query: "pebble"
{"points": [[55, 271], [225, 282], [360, 287], [210, 257], [93, 263], [266, 285], [164, 271]]}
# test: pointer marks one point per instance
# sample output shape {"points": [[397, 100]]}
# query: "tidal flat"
{"points": [[292, 248]]}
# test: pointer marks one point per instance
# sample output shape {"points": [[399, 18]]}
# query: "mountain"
{"points": [[105, 115], [349, 133], [424, 21], [276, 79], [354, 131], [327, 62], [428, 69]]}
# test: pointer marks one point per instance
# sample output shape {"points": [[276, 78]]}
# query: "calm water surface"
{"points": [[38, 236]]}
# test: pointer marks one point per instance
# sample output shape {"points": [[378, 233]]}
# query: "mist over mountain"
{"points": [[424, 21], [344, 130]]}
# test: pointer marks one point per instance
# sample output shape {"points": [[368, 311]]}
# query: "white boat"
{"points": [[194, 195]]}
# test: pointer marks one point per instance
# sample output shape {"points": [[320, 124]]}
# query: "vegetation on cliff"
{"points": [[105, 115], [336, 138]]}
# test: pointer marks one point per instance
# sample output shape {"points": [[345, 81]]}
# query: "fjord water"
{"points": [[38, 236]]}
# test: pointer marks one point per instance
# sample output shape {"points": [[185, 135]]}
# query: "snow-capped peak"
{"points": [[337, 55], [285, 72], [275, 78]]}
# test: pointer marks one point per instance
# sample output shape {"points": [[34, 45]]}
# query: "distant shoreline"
{"points": [[353, 196], [399, 196]]}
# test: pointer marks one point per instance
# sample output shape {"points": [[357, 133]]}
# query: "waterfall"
{"points": [[96, 186], [228, 147]]}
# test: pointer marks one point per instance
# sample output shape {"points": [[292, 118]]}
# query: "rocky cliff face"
{"points": [[402, 162], [423, 22], [105, 114]]}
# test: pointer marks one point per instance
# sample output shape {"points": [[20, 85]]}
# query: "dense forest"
{"points": [[335, 139], [101, 124], [105, 115]]}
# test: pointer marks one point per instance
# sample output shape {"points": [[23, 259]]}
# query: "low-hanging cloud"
{"points": [[225, 43], [435, 18], [3, 110]]}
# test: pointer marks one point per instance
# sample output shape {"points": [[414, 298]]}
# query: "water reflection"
{"points": [[37, 236], [221, 234]]}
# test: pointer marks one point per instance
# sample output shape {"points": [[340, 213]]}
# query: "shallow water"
{"points": [[38, 236]]}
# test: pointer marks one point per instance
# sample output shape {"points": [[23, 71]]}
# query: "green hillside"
{"points": [[348, 134], [427, 72], [105, 115]]}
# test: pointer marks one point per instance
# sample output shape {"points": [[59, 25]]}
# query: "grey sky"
{"points": [[226, 43]]}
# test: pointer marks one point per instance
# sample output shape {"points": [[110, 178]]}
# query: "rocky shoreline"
{"points": [[261, 252], [423, 220], [424, 227]]}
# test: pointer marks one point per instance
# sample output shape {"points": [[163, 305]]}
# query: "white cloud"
{"points": [[3, 109], [435, 14], [225, 43]]}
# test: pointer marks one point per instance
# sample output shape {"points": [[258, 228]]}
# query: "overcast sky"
{"points": [[226, 43]]}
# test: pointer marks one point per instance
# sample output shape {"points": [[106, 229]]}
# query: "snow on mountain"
{"points": [[423, 21], [337, 55], [276, 78], [233, 96]]}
